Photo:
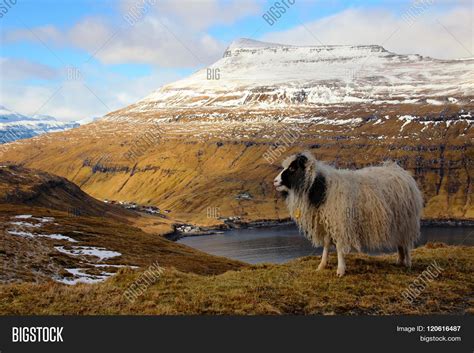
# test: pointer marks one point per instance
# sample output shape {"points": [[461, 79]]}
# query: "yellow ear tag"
{"points": [[297, 213]]}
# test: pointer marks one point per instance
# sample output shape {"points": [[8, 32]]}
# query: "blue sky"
{"points": [[75, 59]]}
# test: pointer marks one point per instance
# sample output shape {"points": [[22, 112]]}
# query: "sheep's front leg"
{"points": [[341, 263], [324, 257]]}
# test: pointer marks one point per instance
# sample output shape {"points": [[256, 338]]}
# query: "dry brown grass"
{"points": [[27, 259], [372, 286]]}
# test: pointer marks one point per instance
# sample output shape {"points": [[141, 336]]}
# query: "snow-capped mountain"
{"points": [[266, 75], [15, 126]]}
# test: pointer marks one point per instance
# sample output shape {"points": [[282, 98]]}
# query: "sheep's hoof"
{"points": [[321, 267], [340, 272]]}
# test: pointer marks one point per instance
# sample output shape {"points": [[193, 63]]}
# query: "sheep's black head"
{"points": [[293, 178], [293, 175]]}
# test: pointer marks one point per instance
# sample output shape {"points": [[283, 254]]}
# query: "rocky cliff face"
{"points": [[199, 143]]}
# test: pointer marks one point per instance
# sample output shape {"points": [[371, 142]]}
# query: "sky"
{"points": [[76, 59]]}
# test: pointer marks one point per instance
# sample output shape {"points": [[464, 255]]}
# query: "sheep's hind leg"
{"points": [[324, 257], [341, 263], [401, 255], [404, 256]]}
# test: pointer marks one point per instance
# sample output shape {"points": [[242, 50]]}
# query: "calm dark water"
{"points": [[280, 244]]}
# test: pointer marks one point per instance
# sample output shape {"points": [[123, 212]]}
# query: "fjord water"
{"points": [[283, 243]]}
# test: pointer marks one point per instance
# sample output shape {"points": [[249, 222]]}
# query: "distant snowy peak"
{"points": [[6, 115], [266, 75], [15, 126]]}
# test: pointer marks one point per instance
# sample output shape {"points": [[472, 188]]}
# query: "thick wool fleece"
{"points": [[373, 207]]}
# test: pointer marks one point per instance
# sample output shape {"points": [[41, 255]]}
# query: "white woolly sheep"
{"points": [[369, 208]]}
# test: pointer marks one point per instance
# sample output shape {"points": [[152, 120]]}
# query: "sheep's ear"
{"points": [[301, 160], [317, 191]]}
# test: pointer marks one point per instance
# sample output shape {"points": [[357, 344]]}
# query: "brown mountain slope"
{"points": [[32, 187], [37, 258], [51, 230], [190, 161]]}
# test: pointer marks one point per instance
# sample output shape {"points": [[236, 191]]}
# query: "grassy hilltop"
{"points": [[373, 286]]}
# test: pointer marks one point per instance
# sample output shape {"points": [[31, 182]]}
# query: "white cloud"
{"points": [[439, 33], [167, 34], [72, 100], [162, 38], [88, 33], [196, 15], [170, 34], [154, 41], [19, 69], [48, 32]]}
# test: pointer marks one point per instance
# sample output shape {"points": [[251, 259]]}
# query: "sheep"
{"points": [[369, 208]]}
